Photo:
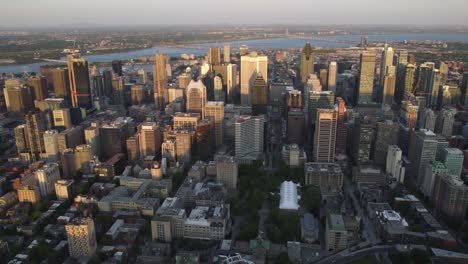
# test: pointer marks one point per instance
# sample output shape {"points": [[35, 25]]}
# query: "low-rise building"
{"points": [[323, 174], [207, 223], [336, 236]]}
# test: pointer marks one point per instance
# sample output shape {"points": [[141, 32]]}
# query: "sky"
{"points": [[153, 12]]}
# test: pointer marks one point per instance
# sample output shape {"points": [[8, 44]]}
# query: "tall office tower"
{"points": [[324, 78], [117, 67], [215, 111], [295, 129], [133, 147], [204, 139], [388, 90], [78, 74], [81, 238], [118, 91], [444, 122], [160, 81], [21, 138], [385, 62], [307, 62], [293, 99], [107, 80], [186, 121], [92, 138], [94, 71], [409, 114], [387, 135], [46, 177], [70, 138], [394, 164], [422, 150], [39, 87], [435, 97], [214, 55], [433, 170], [168, 150], [227, 171], [325, 136], [64, 189], [74, 160], [150, 139], [451, 197], [332, 70], [324, 100], [218, 89], [259, 95], [249, 137], [451, 95], [61, 82], [18, 99], [428, 120], [113, 138], [251, 66], [51, 145], [405, 81], [196, 97], [137, 94], [452, 158], [366, 78], [176, 95], [341, 127], [363, 136], [184, 80], [35, 126], [29, 194], [227, 53], [402, 57], [183, 145], [98, 85], [243, 50], [62, 118], [231, 81]]}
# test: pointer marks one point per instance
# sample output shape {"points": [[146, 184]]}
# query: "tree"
{"points": [[311, 198]]}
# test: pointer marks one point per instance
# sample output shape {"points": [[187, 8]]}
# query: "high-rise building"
{"points": [[215, 111], [35, 126], [366, 78], [394, 164], [80, 87], [168, 150], [107, 80], [249, 137], [137, 93], [62, 118], [227, 171], [18, 99], [332, 70], [98, 85], [92, 138], [444, 121], [183, 141], [150, 139], [251, 66], [117, 67], [325, 136], [46, 178], [341, 127], [363, 135], [388, 90], [295, 129], [81, 237], [307, 62], [323, 100], [323, 73], [219, 94], [21, 138], [61, 82], [433, 169], [204, 139], [186, 121], [160, 80], [387, 135], [39, 87], [452, 158], [227, 53], [196, 98], [51, 145], [29, 194], [451, 197], [422, 150], [214, 55], [243, 50], [113, 138], [133, 147], [64, 189], [428, 119], [70, 138], [386, 61], [259, 95]]}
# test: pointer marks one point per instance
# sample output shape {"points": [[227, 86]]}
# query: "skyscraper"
{"points": [[80, 86], [61, 82], [39, 87], [341, 127], [219, 94], [363, 135], [332, 69], [133, 147], [388, 90], [422, 150], [249, 137], [451, 197], [62, 118], [394, 164], [251, 66], [324, 100], [385, 62], [215, 111], [227, 53], [214, 55], [325, 136], [295, 129], [307, 62], [18, 99], [366, 78], [452, 158], [51, 145], [35, 126], [386, 135], [150, 139], [259, 95], [81, 238], [46, 177], [117, 67], [196, 97], [160, 81]]}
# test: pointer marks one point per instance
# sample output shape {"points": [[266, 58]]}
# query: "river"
{"points": [[275, 43]]}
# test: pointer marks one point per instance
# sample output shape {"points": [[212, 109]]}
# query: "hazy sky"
{"points": [[137, 12]]}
